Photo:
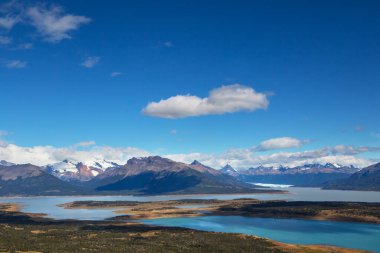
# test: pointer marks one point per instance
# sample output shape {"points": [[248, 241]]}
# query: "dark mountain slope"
{"points": [[157, 175], [27, 179], [367, 179]]}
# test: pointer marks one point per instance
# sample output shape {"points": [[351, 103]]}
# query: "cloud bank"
{"points": [[238, 158], [43, 155], [225, 99]]}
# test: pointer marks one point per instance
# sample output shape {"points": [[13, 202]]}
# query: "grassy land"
{"points": [[20, 232], [335, 211]]}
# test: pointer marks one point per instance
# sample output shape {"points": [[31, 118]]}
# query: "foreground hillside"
{"points": [[367, 179]]}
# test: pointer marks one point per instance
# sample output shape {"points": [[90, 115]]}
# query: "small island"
{"points": [[333, 211]]}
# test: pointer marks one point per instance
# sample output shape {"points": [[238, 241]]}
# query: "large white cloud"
{"points": [[280, 143], [225, 99]]}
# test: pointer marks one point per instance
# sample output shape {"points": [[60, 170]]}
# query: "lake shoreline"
{"points": [[17, 226]]}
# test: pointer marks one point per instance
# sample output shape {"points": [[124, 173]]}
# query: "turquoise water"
{"points": [[297, 231], [48, 205]]}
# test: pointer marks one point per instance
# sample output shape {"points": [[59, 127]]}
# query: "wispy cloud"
{"points": [[351, 150], [4, 40], [8, 22], [116, 73], [173, 132], [359, 128], [25, 46], [16, 64], [225, 99], [85, 144], [90, 62], [168, 44], [3, 133], [52, 22]]}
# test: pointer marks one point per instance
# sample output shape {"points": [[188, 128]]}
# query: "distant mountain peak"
{"points": [[69, 170], [229, 170], [228, 167], [6, 163], [195, 162]]}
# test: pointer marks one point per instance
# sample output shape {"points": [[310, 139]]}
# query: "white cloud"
{"points": [[16, 64], [4, 40], [115, 74], [90, 61], [226, 99], [280, 143], [53, 24]]}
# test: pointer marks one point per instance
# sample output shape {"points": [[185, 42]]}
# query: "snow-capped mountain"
{"points": [[314, 174], [307, 168], [68, 170], [229, 170]]}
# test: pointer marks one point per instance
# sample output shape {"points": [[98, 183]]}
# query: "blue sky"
{"points": [[73, 72]]}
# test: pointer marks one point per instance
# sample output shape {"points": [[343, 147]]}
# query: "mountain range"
{"points": [[157, 175], [308, 175], [148, 175], [367, 179], [28, 179]]}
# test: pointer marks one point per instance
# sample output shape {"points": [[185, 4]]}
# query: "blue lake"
{"points": [[297, 231], [48, 205]]}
